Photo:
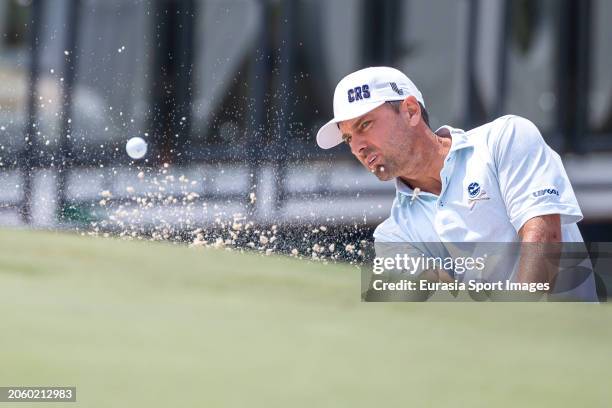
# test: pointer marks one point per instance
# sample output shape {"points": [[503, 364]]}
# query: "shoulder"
{"points": [[510, 126], [503, 126], [510, 120], [505, 133]]}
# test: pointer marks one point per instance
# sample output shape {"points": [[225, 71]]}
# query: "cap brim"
{"points": [[330, 135]]}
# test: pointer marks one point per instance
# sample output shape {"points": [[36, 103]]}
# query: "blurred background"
{"points": [[229, 95]]}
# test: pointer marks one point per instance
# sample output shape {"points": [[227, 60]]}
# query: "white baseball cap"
{"points": [[362, 91]]}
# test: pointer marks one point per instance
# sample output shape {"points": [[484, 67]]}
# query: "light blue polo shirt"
{"points": [[494, 179]]}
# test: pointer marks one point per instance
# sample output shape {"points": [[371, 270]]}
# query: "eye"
{"points": [[365, 124]]}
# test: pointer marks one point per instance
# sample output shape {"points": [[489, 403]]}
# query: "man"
{"points": [[499, 182]]}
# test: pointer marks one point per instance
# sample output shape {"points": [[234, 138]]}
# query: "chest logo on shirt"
{"points": [[474, 190], [476, 193]]}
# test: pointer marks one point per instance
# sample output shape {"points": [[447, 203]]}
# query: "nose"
{"points": [[359, 146]]}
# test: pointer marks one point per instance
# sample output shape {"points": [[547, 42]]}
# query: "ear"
{"points": [[411, 108]]}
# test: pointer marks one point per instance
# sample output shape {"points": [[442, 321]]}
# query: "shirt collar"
{"points": [[459, 140], [403, 188]]}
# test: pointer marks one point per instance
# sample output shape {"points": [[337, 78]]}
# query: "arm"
{"points": [[537, 193], [545, 228], [540, 250]]}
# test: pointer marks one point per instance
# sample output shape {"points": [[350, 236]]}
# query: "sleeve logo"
{"points": [[546, 191]]}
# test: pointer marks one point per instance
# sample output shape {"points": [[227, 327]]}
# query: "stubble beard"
{"points": [[386, 171]]}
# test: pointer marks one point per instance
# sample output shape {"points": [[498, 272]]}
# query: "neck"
{"points": [[427, 177]]}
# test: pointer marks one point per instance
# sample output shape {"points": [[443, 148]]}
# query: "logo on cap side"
{"points": [[395, 88], [359, 92]]}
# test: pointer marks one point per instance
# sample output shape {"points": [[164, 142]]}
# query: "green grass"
{"points": [[136, 324]]}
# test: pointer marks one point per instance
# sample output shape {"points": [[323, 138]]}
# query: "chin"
{"points": [[384, 176]]}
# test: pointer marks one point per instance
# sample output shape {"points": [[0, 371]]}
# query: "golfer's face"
{"points": [[370, 138]]}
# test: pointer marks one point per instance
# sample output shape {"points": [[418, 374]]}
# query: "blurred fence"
{"points": [[235, 89]]}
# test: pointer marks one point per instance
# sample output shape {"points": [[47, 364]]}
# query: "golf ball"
{"points": [[136, 147]]}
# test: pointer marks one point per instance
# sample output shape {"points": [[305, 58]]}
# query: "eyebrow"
{"points": [[355, 125]]}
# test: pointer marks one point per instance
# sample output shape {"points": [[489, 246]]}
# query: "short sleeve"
{"points": [[532, 179]]}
